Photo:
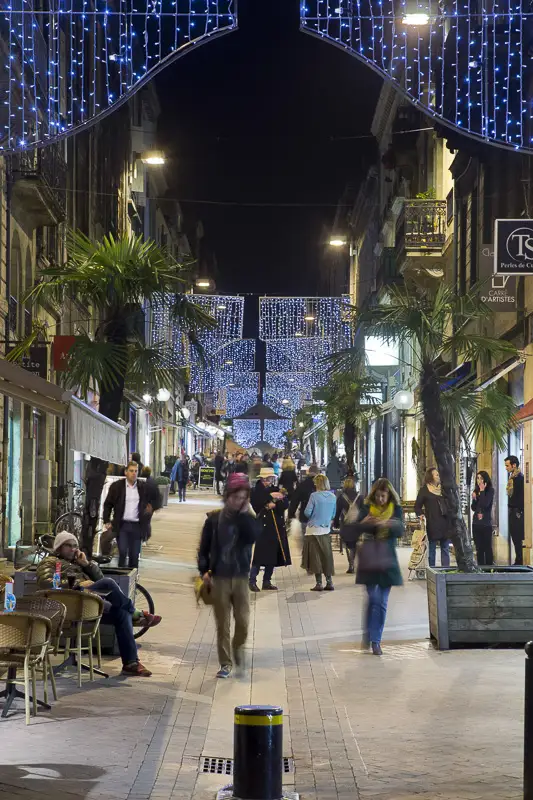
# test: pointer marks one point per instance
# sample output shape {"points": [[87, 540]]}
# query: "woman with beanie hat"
{"points": [[224, 558]]}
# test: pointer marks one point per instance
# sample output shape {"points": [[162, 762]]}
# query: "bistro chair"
{"points": [[55, 612], [82, 624], [24, 641]]}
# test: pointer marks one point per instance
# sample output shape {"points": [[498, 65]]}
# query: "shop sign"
{"points": [[61, 347], [34, 361], [513, 247], [497, 291]]}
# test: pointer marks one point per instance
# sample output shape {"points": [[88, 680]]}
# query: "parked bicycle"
{"points": [[70, 501]]}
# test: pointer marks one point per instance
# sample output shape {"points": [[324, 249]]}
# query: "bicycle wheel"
{"points": [[71, 522], [143, 602]]}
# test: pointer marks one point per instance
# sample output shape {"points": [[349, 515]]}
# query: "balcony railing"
{"points": [[40, 184], [424, 224]]}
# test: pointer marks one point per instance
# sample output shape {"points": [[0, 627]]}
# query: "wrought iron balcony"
{"points": [[39, 185], [421, 235]]}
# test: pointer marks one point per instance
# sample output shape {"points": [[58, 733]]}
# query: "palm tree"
{"points": [[117, 278], [433, 329]]}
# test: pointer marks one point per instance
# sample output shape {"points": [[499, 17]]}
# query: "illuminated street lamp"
{"points": [[285, 402], [309, 318], [163, 395], [147, 398], [203, 283], [419, 18], [153, 158], [337, 241]]}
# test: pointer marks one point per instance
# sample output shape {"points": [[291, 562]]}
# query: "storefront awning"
{"points": [[91, 433], [499, 372], [27, 388], [525, 414]]}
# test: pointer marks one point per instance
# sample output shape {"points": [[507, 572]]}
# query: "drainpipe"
{"points": [[5, 443]]}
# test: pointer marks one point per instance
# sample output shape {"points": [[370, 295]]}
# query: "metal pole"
{"points": [[258, 753], [528, 724]]}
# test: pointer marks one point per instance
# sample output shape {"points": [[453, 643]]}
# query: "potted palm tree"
{"points": [[116, 279], [433, 328]]}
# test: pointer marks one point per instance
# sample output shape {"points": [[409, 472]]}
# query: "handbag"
{"points": [[203, 592], [374, 555]]}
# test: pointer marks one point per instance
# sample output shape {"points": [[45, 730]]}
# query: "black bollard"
{"points": [[528, 725], [258, 753]]}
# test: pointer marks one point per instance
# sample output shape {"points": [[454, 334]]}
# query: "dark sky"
{"points": [[252, 118]]}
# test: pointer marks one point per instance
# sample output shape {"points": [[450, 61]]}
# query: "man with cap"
{"points": [[272, 546], [77, 572], [224, 559]]}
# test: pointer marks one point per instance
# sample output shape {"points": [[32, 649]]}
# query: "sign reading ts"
{"points": [[513, 247]]}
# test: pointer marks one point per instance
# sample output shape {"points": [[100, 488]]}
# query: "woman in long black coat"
{"points": [[272, 545]]}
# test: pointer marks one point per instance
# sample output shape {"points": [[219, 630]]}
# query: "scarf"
{"points": [[510, 483], [434, 489], [382, 513]]}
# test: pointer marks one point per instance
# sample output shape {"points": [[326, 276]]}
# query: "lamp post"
{"points": [[403, 402]]}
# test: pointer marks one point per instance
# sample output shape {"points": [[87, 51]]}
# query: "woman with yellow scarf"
{"points": [[379, 524]]}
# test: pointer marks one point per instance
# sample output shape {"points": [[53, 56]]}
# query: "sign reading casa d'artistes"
{"points": [[513, 247], [497, 291]]}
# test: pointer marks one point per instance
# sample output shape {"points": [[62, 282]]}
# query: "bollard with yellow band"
{"points": [[258, 753]]}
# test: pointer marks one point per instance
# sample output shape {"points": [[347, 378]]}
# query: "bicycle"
{"points": [[71, 517]]}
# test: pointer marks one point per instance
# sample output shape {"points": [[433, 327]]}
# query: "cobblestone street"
{"points": [[414, 724]]}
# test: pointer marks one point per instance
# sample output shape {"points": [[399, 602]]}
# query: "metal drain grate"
{"points": [[224, 766]]}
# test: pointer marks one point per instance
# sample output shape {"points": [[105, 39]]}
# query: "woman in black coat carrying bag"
{"points": [[379, 524], [272, 545], [482, 500]]}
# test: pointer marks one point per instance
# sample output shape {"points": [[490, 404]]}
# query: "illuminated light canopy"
{"points": [[465, 64], [67, 64], [323, 317]]}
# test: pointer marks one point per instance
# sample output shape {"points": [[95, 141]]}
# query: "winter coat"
{"points": [[335, 473], [300, 498], [246, 530], [115, 503], [180, 471], [482, 504], [433, 506], [272, 545], [391, 576], [47, 567], [287, 481], [344, 501], [219, 464]]}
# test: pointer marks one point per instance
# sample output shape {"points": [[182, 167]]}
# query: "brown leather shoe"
{"points": [[136, 669]]}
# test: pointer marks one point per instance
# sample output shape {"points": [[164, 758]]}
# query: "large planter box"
{"points": [[164, 491], [494, 606]]}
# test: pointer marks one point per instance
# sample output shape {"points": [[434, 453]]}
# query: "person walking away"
{"points": [[272, 546], [241, 465], [515, 505], [78, 571], [137, 458], [180, 475], [379, 524], [172, 476], [317, 556], [482, 500], [288, 478], [224, 558], [301, 496], [132, 503], [335, 473], [430, 506], [347, 498], [219, 471], [276, 466]]}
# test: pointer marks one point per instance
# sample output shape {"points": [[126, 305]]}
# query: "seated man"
{"points": [[79, 573]]}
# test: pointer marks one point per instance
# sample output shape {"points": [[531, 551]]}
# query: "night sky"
{"points": [[257, 117]]}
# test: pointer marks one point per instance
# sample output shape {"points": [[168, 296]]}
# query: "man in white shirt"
{"points": [[132, 503]]}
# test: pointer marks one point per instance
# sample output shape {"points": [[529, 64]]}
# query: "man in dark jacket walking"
{"points": [[301, 496], [132, 503], [515, 504], [219, 470], [224, 558]]}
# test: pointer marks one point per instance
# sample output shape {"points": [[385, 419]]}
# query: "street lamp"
{"points": [[153, 158], [147, 398], [203, 283], [337, 241], [163, 395], [285, 402], [403, 400]]}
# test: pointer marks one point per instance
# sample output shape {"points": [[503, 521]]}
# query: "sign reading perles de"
{"points": [[497, 291], [513, 247]]}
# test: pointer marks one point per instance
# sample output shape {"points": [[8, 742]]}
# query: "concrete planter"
{"points": [[494, 606], [164, 491]]}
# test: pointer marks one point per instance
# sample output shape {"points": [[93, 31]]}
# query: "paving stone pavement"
{"points": [[414, 724]]}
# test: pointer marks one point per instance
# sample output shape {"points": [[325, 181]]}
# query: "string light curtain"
{"points": [[466, 63], [308, 317], [232, 359], [246, 432], [275, 430], [284, 401], [67, 62]]}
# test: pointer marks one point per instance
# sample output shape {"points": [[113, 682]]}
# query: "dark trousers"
{"points": [[118, 610], [483, 543], [182, 487], [219, 480], [516, 532], [129, 542], [267, 577]]}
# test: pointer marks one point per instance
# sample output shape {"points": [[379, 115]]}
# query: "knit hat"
{"points": [[235, 482], [64, 538], [266, 472]]}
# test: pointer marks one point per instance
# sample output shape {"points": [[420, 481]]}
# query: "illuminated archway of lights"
{"points": [[67, 63], [466, 63]]}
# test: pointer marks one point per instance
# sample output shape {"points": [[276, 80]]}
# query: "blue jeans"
{"points": [[267, 577], [376, 611], [444, 552], [118, 610], [129, 542]]}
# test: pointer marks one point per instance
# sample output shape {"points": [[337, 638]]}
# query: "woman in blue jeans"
{"points": [[380, 520]]}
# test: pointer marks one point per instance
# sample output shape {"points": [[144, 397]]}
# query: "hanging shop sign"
{"points": [[61, 347], [513, 247], [35, 361], [497, 291]]}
